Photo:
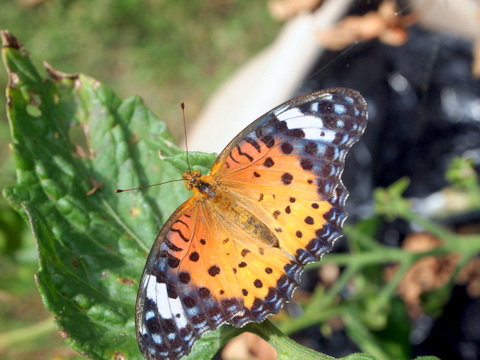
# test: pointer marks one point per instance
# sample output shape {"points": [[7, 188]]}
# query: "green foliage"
{"points": [[462, 176]]}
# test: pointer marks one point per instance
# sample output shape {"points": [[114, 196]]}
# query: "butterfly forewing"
{"points": [[287, 166], [273, 202]]}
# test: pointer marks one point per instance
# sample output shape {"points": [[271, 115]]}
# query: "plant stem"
{"points": [[312, 318], [22, 335], [286, 347], [391, 286]]}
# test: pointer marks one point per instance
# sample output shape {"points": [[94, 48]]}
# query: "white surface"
{"points": [[265, 81], [461, 17]]}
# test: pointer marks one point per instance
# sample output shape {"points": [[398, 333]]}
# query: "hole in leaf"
{"points": [[33, 110], [79, 140], [119, 356], [33, 107]]}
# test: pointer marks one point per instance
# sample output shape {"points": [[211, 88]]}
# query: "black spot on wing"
{"points": [[194, 256], [311, 148], [233, 159], [213, 270], [172, 246], [268, 162], [245, 252], [254, 143], [280, 125], [306, 164], [287, 178], [172, 290], [240, 152], [258, 283], [204, 293], [286, 148], [325, 107], [296, 133], [184, 277], [268, 140], [180, 233]]}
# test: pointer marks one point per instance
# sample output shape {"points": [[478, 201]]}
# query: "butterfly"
{"points": [[272, 202]]}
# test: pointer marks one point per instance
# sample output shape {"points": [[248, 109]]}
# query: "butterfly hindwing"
{"points": [[273, 202], [207, 270]]}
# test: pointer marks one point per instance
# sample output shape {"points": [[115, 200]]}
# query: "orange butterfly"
{"points": [[273, 202]]}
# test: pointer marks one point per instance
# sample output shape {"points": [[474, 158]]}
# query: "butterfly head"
{"points": [[201, 185]]}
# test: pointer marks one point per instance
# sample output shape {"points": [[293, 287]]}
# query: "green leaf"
{"points": [[462, 175], [211, 342], [391, 341], [389, 201], [74, 143], [359, 357]]}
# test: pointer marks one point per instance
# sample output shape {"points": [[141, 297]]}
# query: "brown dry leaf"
{"points": [[432, 272], [427, 274], [385, 24], [329, 274], [420, 242], [470, 276], [285, 9], [248, 346]]}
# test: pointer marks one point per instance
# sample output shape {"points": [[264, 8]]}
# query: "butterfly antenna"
{"points": [[335, 58], [146, 186], [182, 104]]}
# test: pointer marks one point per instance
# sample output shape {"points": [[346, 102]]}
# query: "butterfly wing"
{"points": [[204, 270], [287, 167], [277, 203]]}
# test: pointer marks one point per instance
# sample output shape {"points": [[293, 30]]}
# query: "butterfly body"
{"points": [[272, 202]]}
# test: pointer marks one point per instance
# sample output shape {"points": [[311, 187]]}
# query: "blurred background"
{"points": [[415, 62]]}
